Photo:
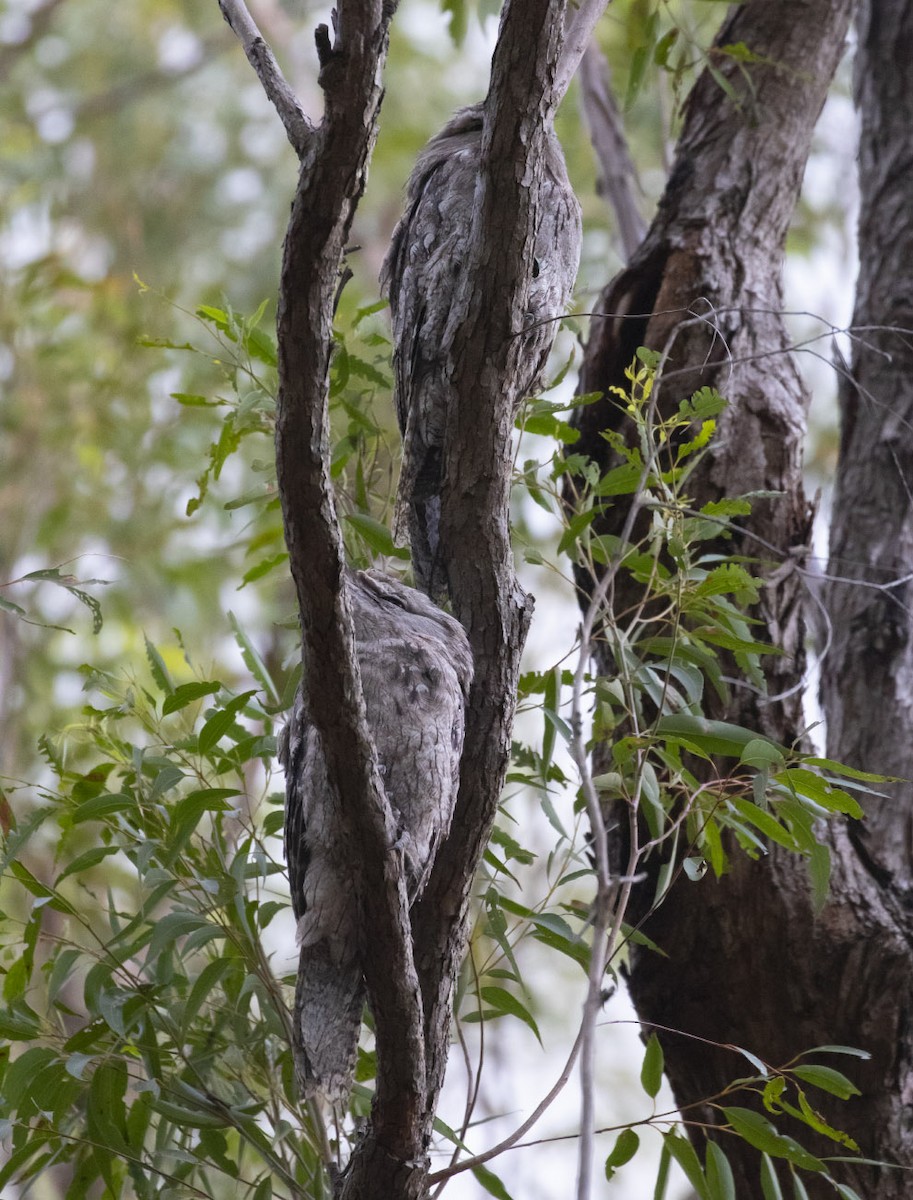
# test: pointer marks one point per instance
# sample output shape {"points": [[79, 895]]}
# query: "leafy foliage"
{"points": [[144, 989], [145, 933], [151, 1025]]}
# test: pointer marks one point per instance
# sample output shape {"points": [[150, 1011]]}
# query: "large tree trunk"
{"points": [[867, 684], [748, 962]]}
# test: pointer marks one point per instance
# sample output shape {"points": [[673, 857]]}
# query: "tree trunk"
{"points": [[747, 960], [867, 683]]}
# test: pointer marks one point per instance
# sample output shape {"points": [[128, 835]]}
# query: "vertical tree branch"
{"points": [[869, 670], [488, 315], [867, 677], [334, 160], [579, 36]]}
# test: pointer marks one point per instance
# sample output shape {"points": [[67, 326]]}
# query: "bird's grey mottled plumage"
{"points": [[420, 276], [416, 668]]}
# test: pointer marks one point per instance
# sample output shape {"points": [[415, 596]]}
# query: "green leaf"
{"points": [[828, 764], [816, 1121], [100, 807], [626, 1146], [808, 784], [264, 1189], [376, 535], [504, 1003], [799, 1190], [686, 1157], [852, 1051], [14, 1167], [662, 1173], [253, 661], [262, 568], [158, 668], [846, 1192], [84, 862], [757, 1131], [220, 723], [10, 607], [620, 481], [191, 400], [548, 425], [827, 1079], [260, 345], [458, 11], [819, 870], [20, 1073], [651, 1071], [759, 752], [190, 1118], [770, 1184], [172, 926], [41, 890], [186, 693], [713, 737], [491, 1183], [765, 821], [550, 708], [664, 46], [106, 1117], [720, 1180]]}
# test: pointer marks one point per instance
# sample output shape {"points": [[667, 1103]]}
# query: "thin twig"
{"points": [[611, 898], [477, 1160], [279, 92], [474, 1076]]}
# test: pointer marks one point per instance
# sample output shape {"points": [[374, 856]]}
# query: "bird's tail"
{"points": [[329, 999]]}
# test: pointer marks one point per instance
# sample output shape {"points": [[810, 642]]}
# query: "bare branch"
{"points": [[618, 180], [280, 93], [579, 35]]}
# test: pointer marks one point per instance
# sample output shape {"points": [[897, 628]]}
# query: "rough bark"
{"points": [[868, 672], [412, 1010], [488, 312], [867, 681], [748, 962], [334, 160]]}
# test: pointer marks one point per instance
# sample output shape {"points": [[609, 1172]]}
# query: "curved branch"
{"points": [[261, 58]]}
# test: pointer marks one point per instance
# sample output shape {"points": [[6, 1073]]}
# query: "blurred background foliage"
{"points": [[144, 187], [138, 145]]}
